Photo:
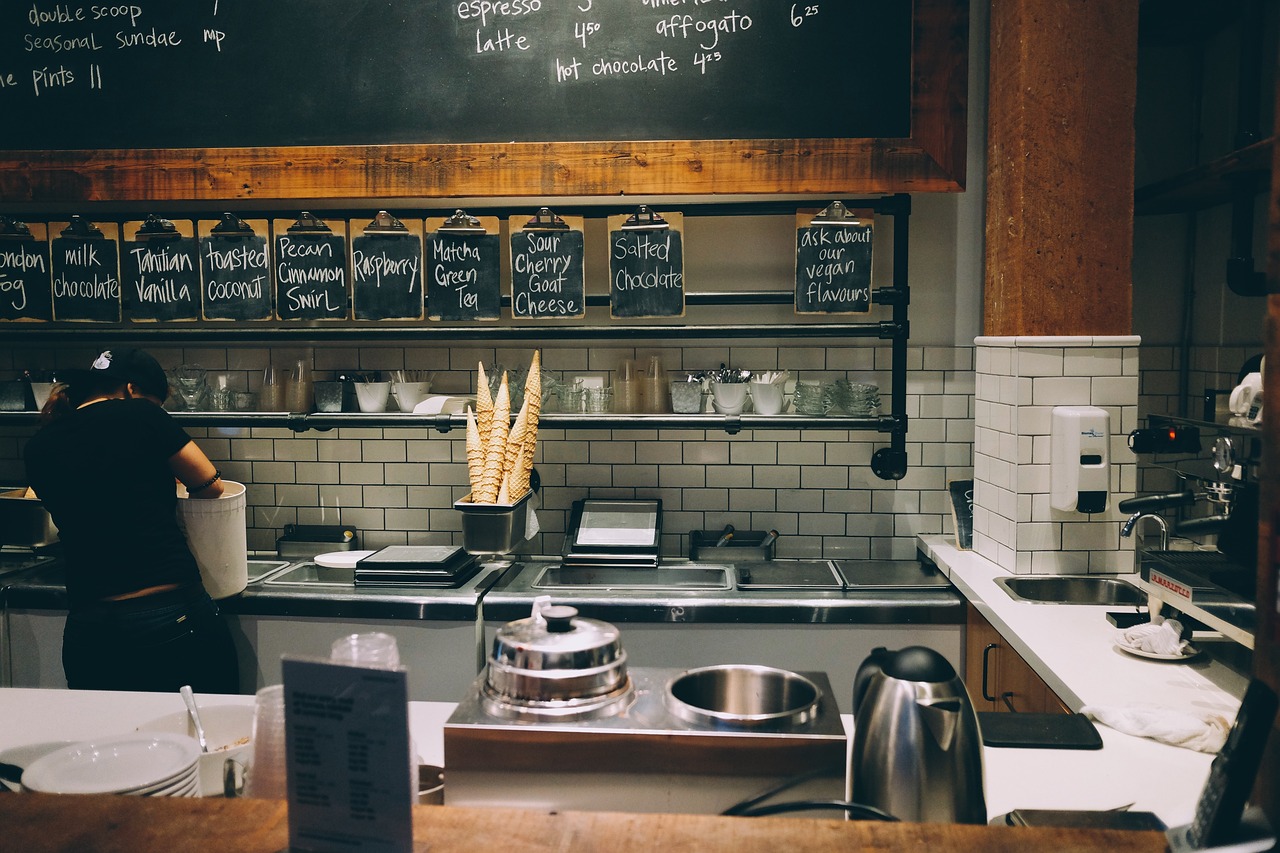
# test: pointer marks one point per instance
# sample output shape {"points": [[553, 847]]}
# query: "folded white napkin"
{"points": [[1164, 638], [1201, 732]]}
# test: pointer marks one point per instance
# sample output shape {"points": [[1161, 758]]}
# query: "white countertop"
{"points": [[1071, 647]]}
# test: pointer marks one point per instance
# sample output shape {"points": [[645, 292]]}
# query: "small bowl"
{"points": [[228, 729]]}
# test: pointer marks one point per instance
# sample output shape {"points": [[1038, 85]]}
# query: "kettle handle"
{"points": [[868, 670]]}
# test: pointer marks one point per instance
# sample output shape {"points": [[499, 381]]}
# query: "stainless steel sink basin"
{"points": [[1071, 589], [672, 578], [259, 569], [310, 574]]}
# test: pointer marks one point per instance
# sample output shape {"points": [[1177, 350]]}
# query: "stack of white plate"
{"points": [[138, 764]]}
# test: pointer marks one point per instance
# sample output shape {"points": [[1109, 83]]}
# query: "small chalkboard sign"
{"points": [[546, 266], [386, 269], [646, 265], [962, 512], [235, 269], [26, 278], [464, 268], [833, 261], [160, 268], [310, 264], [86, 271]]}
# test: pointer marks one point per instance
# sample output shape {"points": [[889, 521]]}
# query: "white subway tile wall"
{"points": [[397, 485], [1018, 382], [973, 415]]}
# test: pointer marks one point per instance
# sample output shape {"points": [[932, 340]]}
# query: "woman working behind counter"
{"points": [[104, 464]]}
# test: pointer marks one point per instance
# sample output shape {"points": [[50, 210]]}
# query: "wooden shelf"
{"points": [[1210, 184]]}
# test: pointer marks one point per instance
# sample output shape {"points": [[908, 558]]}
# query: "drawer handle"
{"points": [[986, 654]]}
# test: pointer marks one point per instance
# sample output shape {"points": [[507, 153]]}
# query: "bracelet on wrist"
{"points": [[217, 475]]}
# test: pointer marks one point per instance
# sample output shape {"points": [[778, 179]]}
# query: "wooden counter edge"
{"points": [[37, 823]]}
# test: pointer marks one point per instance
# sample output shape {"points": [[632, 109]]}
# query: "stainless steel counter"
{"points": [[907, 593], [505, 590]]}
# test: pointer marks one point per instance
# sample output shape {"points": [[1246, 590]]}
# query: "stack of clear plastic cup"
{"points": [[267, 777], [374, 649]]}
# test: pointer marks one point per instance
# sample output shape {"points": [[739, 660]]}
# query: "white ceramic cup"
{"points": [[409, 394], [728, 397], [373, 396], [767, 398]]}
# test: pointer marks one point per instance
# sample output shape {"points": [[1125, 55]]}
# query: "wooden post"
{"points": [[1060, 148]]}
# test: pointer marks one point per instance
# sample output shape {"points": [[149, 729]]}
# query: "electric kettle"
{"points": [[917, 751]]}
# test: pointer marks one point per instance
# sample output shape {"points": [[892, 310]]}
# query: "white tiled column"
{"points": [[1018, 382]]}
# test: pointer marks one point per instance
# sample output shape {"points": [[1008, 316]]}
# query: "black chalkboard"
{"points": [[309, 263], [299, 72], [833, 268], [386, 275], [546, 271], [646, 271], [161, 273], [86, 271], [463, 276], [235, 270], [26, 279]]}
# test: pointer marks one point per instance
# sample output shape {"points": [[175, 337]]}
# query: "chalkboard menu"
{"points": [[546, 266], [310, 266], [833, 262], [235, 269], [464, 275], [86, 271], [386, 269], [25, 273], [160, 268], [297, 72], [646, 265]]}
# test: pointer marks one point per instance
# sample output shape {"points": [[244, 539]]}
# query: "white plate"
{"points": [[341, 559], [112, 765], [28, 754], [1191, 651]]}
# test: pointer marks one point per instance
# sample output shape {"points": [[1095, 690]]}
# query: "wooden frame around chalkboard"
{"points": [[932, 159]]}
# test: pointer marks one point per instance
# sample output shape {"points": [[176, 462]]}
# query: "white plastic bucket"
{"points": [[215, 531]]}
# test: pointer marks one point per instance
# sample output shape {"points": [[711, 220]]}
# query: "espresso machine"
{"points": [[1205, 566]]}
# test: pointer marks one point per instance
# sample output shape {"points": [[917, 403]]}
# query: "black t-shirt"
{"points": [[103, 473]]}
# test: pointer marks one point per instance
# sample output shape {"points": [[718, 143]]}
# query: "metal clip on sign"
{"points": [[837, 214], [309, 224], [385, 223], [644, 219], [462, 223], [156, 228], [545, 220]]}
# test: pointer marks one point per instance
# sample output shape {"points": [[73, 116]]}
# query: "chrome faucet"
{"points": [[1127, 530]]}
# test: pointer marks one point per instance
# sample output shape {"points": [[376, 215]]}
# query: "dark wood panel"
{"points": [[931, 159]]}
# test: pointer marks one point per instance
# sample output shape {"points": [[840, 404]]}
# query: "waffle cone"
{"points": [[496, 445], [484, 404], [475, 451]]}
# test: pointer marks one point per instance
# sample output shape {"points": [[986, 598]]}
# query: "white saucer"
{"points": [[341, 559], [1190, 652]]}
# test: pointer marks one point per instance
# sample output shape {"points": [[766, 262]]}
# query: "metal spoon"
{"points": [[189, 697]]}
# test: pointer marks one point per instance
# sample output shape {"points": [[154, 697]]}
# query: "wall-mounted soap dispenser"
{"points": [[1080, 476]]}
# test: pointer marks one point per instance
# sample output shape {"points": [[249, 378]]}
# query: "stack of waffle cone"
{"points": [[500, 455]]}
